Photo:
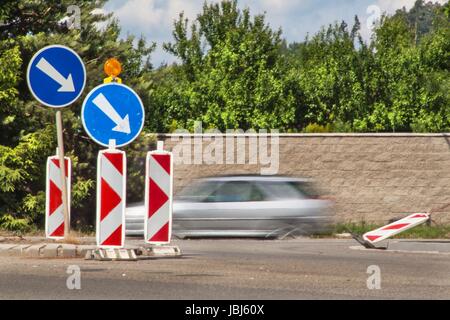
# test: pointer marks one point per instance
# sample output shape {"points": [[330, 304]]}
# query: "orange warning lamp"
{"points": [[112, 68]]}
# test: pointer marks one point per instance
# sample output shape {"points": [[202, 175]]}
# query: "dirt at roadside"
{"points": [[9, 238]]}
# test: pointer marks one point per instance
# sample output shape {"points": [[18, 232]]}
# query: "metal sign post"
{"points": [[56, 77], [113, 116], [59, 134]]}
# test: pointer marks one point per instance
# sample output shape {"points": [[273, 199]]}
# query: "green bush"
{"points": [[10, 223], [317, 128]]}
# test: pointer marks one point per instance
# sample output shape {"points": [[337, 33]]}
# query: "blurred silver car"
{"points": [[243, 206]]}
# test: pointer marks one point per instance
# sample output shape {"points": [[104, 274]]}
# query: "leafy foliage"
{"points": [[10, 223], [235, 71], [231, 75], [27, 132], [394, 83]]}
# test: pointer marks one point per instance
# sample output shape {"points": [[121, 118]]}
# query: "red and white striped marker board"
{"points": [[111, 198], [54, 215], [396, 227], [158, 197]]}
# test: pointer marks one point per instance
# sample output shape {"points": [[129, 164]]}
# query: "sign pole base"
{"points": [[111, 254], [160, 250]]}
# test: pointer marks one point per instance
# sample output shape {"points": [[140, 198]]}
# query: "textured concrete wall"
{"points": [[372, 177]]}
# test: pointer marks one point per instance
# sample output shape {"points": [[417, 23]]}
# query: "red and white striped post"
{"points": [[111, 197], [54, 213], [396, 227], [158, 196]]}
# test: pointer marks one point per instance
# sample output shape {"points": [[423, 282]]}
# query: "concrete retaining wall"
{"points": [[372, 177]]}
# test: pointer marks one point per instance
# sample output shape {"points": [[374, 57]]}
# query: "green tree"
{"points": [[27, 131], [410, 79], [21, 158], [420, 17], [331, 73], [231, 74], [393, 83]]}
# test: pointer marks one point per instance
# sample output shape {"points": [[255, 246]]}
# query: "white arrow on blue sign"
{"points": [[56, 76], [113, 111]]}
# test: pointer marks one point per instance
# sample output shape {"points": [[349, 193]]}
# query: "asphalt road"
{"points": [[237, 269]]}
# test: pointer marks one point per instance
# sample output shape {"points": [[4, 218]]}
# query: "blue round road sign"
{"points": [[113, 111], [56, 76]]}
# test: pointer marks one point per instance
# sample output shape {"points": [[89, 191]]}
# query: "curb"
{"points": [[89, 252], [360, 248], [45, 250]]}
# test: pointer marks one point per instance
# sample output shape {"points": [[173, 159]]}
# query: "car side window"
{"points": [[277, 190], [235, 191]]}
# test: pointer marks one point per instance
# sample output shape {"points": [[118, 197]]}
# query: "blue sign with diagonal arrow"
{"points": [[56, 76], [113, 111]]}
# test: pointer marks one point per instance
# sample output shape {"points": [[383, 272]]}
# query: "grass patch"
{"points": [[427, 232]]}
